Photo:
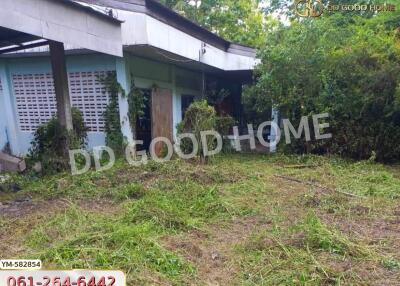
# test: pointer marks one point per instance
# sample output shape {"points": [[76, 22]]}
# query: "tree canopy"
{"points": [[346, 66], [240, 21]]}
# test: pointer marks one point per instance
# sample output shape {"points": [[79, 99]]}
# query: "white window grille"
{"points": [[36, 102]]}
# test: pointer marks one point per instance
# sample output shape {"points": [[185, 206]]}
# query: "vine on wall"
{"points": [[114, 137], [136, 104]]}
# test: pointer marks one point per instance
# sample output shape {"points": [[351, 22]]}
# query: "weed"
{"points": [[264, 231], [78, 239], [318, 236]]}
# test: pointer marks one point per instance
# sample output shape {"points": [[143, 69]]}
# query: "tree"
{"points": [[287, 8], [348, 67], [240, 21]]}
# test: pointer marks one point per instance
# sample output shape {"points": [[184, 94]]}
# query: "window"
{"points": [[36, 101]]}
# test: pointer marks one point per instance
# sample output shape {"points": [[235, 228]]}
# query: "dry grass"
{"points": [[236, 221]]}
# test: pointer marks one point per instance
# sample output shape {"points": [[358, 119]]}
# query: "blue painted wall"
{"points": [[3, 123], [7, 131], [90, 62], [146, 73]]}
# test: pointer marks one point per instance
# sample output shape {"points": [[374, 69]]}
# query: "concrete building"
{"points": [[160, 49]]}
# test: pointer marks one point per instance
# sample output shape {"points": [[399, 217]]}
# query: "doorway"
{"points": [[143, 123], [161, 115]]}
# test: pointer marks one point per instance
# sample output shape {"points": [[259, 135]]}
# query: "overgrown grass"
{"points": [[120, 219], [308, 253], [361, 178], [83, 240], [128, 239]]}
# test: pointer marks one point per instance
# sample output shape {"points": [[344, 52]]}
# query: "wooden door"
{"points": [[161, 116]]}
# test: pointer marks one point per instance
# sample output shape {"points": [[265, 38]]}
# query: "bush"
{"points": [[224, 126], [47, 145], [199, 117], [257, 106], [348, 67]]}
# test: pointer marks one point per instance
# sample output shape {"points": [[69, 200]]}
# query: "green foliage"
{"points": [[185, 144], [285, 9], [202, 117], [257, 106], [216, 96], [240, 21], [348, 67], [199, 117], [49, 139], [224, 125], [136, 104], [114, 137]]}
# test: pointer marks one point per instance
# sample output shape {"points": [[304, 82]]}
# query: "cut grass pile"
{"points": [[236, 221], [82, 240]]}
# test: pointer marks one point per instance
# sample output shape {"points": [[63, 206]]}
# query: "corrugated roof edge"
{"points": [[92, 11], [228, 46], [164, 14]]}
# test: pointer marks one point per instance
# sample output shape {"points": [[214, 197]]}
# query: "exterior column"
{"points": [[122, 77], [6, 100], [176, 103], [275, 119], [60, 77]]}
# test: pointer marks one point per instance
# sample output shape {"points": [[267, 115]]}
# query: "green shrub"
{"points": [[185, 144], [345, 66], [47, 145], [199, 117], [224, 125]]}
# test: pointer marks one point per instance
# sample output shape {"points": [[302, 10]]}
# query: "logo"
{"points": [[309, 8], [315, 8]]}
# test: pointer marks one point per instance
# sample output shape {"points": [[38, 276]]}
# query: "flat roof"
{"points": [[29, 24], [162, 13], [89, 10]]}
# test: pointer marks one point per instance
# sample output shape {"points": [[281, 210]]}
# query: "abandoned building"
{"points": [[142, 41]]}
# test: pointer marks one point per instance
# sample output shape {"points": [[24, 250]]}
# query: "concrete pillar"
{"points": [[176, 103], [123, 79], [7, 101], [60, 77], [273, 135]]}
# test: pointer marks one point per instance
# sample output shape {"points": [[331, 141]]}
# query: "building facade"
{"points": [[170, 58]]}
